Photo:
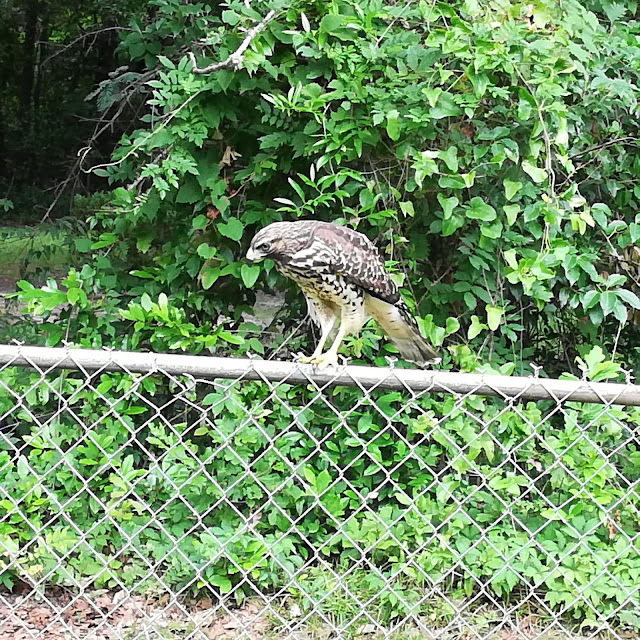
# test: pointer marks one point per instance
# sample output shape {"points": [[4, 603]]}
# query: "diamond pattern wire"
{"points": [[159, 504]]}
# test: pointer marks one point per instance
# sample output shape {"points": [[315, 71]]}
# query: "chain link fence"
{"points": [[167, 496]]}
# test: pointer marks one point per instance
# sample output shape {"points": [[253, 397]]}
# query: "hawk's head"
{"points": [[280, 240]]}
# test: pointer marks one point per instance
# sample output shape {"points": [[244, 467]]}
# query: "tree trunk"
{"points": [[41, 51], [29, 56]]}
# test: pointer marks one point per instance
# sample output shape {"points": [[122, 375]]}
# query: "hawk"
{"points": [[342, 276]]}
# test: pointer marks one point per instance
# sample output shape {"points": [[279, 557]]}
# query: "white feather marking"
{"points": [[411, 345]]}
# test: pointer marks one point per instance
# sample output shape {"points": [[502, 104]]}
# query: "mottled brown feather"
{"points": [[358, 260]]}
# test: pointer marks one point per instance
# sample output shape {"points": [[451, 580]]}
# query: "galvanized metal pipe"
{"points": [[417, 380]]}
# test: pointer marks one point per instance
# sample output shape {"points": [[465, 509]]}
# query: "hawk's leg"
{"points": [[324, 315], [330, 358], [351, 321]]}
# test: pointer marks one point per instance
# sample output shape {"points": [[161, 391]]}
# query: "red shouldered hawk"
{"points": [[342, 276]]}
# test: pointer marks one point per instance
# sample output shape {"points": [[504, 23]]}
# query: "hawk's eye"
{"points": [[265, 246]]}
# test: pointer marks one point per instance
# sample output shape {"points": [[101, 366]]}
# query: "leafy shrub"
{"points": [[488, 148]]}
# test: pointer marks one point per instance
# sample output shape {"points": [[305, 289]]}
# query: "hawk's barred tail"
{"points": [[398, 324]]}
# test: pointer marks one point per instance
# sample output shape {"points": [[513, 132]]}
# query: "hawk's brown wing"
{"points": [[356, 258]]}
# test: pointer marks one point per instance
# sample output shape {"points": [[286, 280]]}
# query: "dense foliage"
{"points": [[491, 150]]}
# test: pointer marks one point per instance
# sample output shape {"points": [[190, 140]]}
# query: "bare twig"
{"points": [[101, 125], [234, 61], [615, 344], [95, 33], [609, 143]]}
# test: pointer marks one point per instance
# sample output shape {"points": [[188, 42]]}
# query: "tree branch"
{"points": [[609, 143], [234, 61], [95, 32]]}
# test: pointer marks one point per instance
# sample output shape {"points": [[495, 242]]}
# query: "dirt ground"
{"points": [[59, 614], [107, 615]]}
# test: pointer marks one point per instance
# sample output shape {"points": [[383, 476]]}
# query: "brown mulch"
{"points": [[107, 615]]}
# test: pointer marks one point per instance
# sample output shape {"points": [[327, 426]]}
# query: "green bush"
{"points": [[488, 147]]}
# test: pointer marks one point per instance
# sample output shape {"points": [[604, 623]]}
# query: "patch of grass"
{"points": [[364, 606], [29, 250]]}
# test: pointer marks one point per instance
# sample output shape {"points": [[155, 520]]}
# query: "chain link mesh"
{"points": [[162, 505]]}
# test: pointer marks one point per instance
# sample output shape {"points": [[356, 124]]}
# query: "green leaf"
{"points": [[511, 188], [445, 107], [208, 275], [511, 258], [407, 208], [494, 316], [233, 229], [452, 182], [594, 357], [470, 300], [224, 584], [479, 210], [231, 338], [366, 198], [190, 191], [451, 326], [106, 240], [331, 23], [452, 224], [143, 242], [309, 475], [145, 302], [608, 301], [615, 10], [590, 298], [424, 167], [393, 127], [249, 274], [402, 498], [224, 78], [536, 174], [620, 313], [450, 158], [448, 205], [165, 62], [511, 211], [200, 222], [493, 230], [83, 244], [628, 297], [323, 480], [475, 328], [205, 251], [73, 295], [230, 17]]}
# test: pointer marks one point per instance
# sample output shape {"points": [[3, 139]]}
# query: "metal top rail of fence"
{"points": [[208, 367], [149, 495]]}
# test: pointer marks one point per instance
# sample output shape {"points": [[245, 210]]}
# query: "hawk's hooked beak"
{"points": [[252, 256]]}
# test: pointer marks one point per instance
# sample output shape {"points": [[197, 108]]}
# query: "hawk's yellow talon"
{"points": [[326, 360]]}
